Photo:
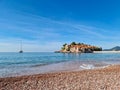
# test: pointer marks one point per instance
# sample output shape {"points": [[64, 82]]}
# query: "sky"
{"points": [[45, 25]]}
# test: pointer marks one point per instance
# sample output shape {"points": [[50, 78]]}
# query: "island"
{"points": [[78, 48]]}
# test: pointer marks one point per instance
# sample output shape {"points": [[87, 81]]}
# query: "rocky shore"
{"points": [[99, 79]]}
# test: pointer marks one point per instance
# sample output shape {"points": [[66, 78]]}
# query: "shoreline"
{"points": [[105, 78], [56, 63], [106, 52], [59, 67]]}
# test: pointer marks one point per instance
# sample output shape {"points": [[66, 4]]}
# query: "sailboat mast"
{"points": [[21, 51], [21, 46]]}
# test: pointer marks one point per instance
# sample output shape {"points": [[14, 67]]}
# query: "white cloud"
{"points": [[46, 33]]}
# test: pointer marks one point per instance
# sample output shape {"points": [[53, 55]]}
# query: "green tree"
{"points": [[73, 43], [63, 48], [79, 43], [64, 44]]}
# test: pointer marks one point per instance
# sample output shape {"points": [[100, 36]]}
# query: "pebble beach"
{"points": [[97, 79]]}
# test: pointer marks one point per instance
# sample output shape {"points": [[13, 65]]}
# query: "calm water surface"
{"points": [[12, 64]]}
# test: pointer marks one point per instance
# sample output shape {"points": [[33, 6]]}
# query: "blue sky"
{"points": [[44, 25]]}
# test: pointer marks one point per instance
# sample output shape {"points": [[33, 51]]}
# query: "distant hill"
{"points": [[117, 48]]}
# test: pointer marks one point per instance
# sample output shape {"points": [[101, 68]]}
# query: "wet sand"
{"points": [[98, 79]]}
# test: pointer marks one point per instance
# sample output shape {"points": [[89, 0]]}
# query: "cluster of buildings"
{"points": [[79, 48]]}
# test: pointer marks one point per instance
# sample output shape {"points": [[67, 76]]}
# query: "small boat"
{"points": [[21, 51]]}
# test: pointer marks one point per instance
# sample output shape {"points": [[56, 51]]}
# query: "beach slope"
{"points": [[99, 79]]}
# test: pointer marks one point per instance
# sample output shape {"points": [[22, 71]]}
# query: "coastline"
{"points": [[103, 79], [59, 67], [106, 52], [40, 63]]}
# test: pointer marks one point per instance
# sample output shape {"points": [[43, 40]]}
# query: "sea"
{"points": [[29, 63]]}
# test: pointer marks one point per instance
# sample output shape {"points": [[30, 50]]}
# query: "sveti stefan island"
{"points": [[59, 45], [78, 48]]}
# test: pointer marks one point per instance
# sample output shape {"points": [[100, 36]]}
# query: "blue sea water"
{"points": [[15, 64]]}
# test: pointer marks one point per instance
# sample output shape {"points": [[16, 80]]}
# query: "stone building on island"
{"points": [[79, 48]]}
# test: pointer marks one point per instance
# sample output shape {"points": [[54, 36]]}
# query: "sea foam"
{"points": [[87, 66]]}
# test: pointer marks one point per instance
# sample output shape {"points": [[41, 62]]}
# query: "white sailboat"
{"points": [[21, 51]]}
